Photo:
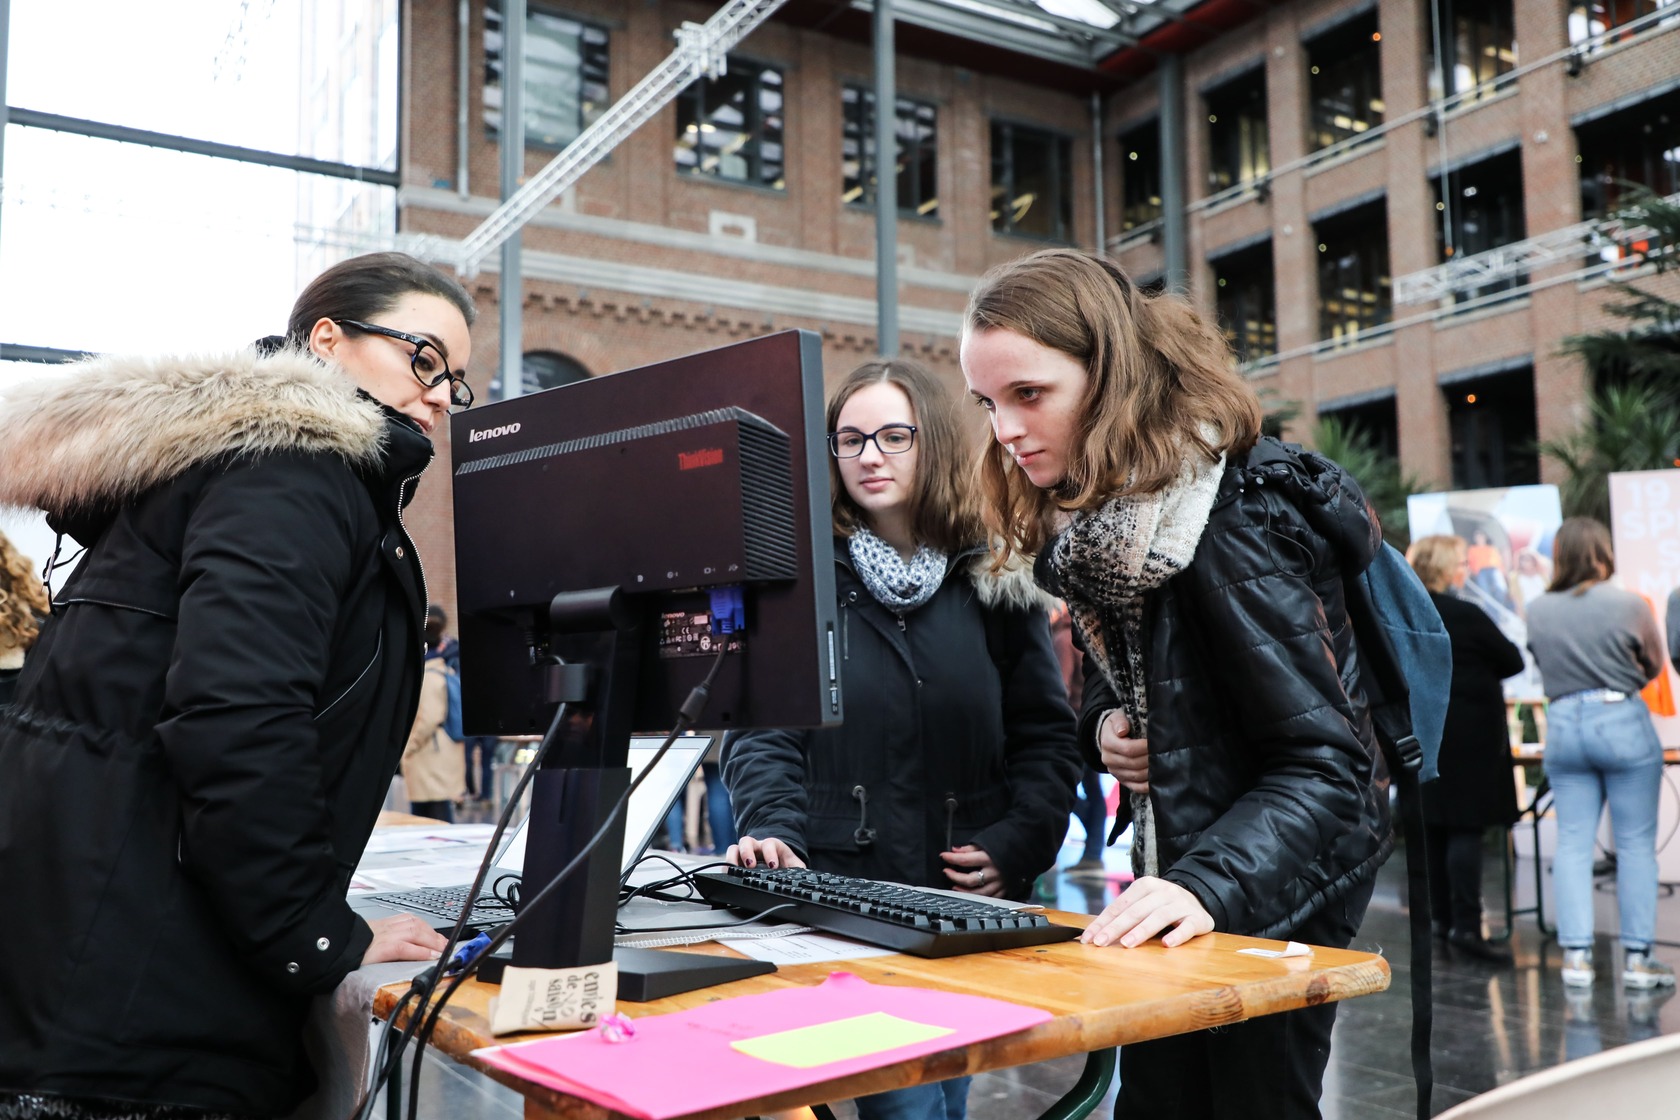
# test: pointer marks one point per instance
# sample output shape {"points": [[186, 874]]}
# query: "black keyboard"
{"points": [[893, 917], [446, 902]]}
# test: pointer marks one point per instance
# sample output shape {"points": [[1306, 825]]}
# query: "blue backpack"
{"points": [[452, 718]]}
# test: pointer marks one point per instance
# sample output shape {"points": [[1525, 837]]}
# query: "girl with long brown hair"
{"points": [[1203, 567], [956, 764]]}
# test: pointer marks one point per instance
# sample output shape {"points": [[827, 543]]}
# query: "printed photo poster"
{"points": [[1645, 529], [1508, 534]]}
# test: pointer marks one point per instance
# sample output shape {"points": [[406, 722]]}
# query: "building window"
{"points": [[1236, 114], [565, 76], [1638, 145], [543, 369], [1353, 282], [1482, 205], [1032, 182], [1344, 71], [1376, 421], [1594, 17], [1246, 300], [1494, 430], [731, 127], [917, 155], [1140, 176], [1479, 48]]}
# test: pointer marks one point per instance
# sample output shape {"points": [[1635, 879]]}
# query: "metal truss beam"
{"points": [[701, 50], [1557, 246]]}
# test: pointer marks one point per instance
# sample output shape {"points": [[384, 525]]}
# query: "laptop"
{"points": [[644, 816]]}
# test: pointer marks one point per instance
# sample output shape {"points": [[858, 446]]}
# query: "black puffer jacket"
{"points": [[957, 729], [1267, 783], [206, 729]]}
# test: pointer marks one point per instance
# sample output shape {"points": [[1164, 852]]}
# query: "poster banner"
{"points": [[1508, 535], [1645, 529]]}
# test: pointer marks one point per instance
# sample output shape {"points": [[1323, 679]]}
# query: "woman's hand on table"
{"points": [[403, 938], [1146, 908], [769, 851]]}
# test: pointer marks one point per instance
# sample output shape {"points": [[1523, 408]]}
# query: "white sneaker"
{"points": [[1578, 968], [1639, 970]]}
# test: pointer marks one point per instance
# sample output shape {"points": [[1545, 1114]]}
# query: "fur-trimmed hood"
{"points": [[115, 427], [1012, 586]]}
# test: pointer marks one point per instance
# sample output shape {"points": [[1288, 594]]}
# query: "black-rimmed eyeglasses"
{"points": [[430, 367], [890, 439]]}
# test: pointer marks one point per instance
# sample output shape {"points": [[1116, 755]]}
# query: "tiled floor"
{"points": [[1492, 1025]]}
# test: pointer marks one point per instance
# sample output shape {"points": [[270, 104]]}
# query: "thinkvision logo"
{"points": [[474, 434]]}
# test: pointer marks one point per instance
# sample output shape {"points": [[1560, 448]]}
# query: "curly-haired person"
{"points": [[22, 602]]}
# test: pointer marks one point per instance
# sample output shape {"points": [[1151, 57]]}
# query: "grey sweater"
{"points": [[1602, 638]]}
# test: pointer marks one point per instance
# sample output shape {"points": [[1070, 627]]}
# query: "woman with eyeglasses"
{"points": [[1203, 566], [956, 764], [209, 722]]}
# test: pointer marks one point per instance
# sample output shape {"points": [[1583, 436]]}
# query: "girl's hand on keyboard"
{"points": [[769, 851], [1146, 908], [403, 938]]}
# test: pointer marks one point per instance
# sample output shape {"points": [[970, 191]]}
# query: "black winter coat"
{"points": [[1267, 783], [1476, 788], [957, 729], [208, 725]]}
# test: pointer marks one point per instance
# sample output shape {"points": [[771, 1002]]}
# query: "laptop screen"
{"points": [[646, 812]]}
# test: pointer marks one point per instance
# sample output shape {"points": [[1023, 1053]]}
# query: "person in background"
{"points": [[1475, 790], [23, 604], [1597, 646], [480, 779], [433, 764], [956, 763], [209, 722], [1204, 568]]}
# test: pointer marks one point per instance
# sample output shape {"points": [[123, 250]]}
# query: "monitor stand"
{"points": [[649, 974], [583, 777]]}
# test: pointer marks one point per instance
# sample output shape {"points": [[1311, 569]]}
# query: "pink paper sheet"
{"points": [[682, 1062]]}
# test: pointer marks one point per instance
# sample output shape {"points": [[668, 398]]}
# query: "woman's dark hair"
{"points": [[943, 513], [1582, 555], [367, 286]]}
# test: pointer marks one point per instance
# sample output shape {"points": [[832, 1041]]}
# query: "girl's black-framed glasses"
{"points": [[429, 365], [890, 439]]}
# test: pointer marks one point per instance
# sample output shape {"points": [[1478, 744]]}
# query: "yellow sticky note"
{"points": [[857, 1037]]}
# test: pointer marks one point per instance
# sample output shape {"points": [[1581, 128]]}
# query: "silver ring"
{"points": [[980, 881]]}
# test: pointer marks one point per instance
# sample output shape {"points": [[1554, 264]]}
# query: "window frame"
{"points": [[588, 111], [1260, 158], [694, 95], [1377, 266], [866, 160], [1061, 178], [1368, 87], [1132, 208], [1261, 290]]}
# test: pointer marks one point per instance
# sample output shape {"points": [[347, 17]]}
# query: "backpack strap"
{"points": [[1386, 690]]}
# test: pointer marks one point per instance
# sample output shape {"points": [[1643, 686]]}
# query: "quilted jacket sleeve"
{"points": [[1271, 620]]}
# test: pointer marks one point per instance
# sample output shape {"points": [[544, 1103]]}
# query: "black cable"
{"points": [[365, 1109], [687, 716]]}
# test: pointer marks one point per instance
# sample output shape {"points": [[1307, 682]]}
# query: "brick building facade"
{"points": [[1322, 160]]}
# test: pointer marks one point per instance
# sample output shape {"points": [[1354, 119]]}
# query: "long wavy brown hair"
{"points": [[1161, 385], [943, 513], [21, 598]]}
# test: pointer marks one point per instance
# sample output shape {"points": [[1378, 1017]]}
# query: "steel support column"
{"points": [[1174, 232], [513, 169], [886, 184]]}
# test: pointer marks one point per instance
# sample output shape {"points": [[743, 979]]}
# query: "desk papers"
{"points": [[702, 1067]]}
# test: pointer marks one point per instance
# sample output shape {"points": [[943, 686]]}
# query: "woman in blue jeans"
{"points": [[1597, 646]]}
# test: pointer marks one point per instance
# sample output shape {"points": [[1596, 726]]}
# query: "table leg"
{"points": [[1089, 1090], [393, 1080]]}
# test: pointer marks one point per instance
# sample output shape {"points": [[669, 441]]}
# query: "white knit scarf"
{"points": [[1106, 562], [896, 585]]}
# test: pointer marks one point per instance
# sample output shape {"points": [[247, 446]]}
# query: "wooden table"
{"points": [[390, 818], [1101, 998]]}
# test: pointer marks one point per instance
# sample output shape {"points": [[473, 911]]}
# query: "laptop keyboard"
{"points": [[446, 902]]}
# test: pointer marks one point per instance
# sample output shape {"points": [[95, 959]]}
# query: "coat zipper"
{"points": [[419, 565]]}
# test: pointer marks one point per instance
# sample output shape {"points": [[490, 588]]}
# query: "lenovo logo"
{"points": [[705, 457], [475, 434]]}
